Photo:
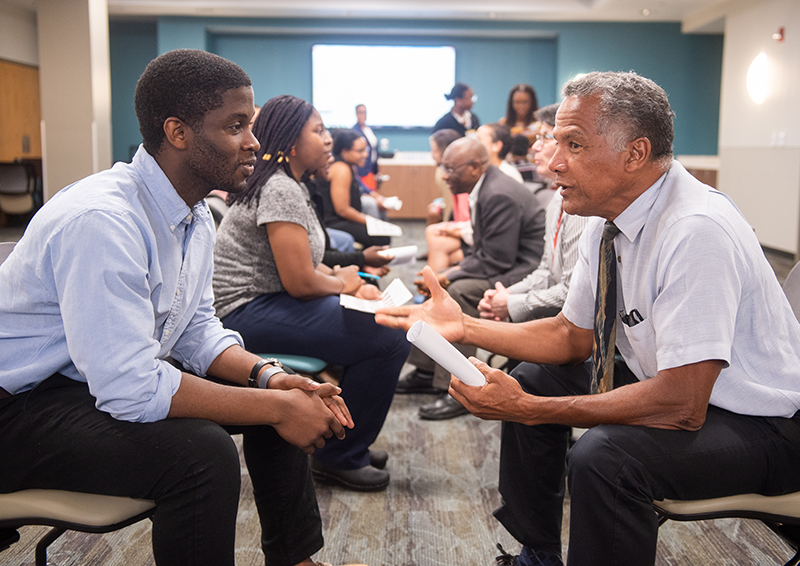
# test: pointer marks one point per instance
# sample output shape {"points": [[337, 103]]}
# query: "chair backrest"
{"points": [[5, 250], [15, 179], [792, 289]]}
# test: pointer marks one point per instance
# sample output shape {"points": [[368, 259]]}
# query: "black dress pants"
{"points": [[54, 437], [615, 472]]}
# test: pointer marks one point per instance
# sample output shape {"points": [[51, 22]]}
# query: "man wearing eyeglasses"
{"points": [[543, 292], [508, 231]]}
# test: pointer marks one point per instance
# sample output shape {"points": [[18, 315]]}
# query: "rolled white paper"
{"points": [[444, 353], [401, 255]]}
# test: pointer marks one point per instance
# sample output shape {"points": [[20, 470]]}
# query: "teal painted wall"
{"points": [[687, 66], [133, 46]]}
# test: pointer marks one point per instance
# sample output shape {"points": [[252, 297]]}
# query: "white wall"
{"points": [[759, 144], [75, 82], [18, 41]]}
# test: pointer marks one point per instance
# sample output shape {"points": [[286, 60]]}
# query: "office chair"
{"points": [[63, 510], [17, 188], [781, 513]]}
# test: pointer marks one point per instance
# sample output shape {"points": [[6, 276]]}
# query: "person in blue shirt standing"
{"points": [[111, 279]]}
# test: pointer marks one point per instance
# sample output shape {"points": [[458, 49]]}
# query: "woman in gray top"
{"points": [[271, 287]]}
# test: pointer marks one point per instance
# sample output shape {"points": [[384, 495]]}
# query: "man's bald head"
{"points": [[467, 149], [463, 163]]}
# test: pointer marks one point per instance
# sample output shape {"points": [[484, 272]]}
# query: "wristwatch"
{"points": [[261, 382]]}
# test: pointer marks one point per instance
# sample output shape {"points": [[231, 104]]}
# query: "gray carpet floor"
{"points": [[436, 512]]}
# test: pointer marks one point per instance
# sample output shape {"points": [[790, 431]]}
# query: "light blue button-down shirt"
{"points": [[112, 276]]}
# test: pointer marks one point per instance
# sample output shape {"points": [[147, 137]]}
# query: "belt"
{"points": [[4, 393]]}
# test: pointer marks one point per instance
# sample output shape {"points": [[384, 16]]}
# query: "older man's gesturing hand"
{"points": [[441, 312]]}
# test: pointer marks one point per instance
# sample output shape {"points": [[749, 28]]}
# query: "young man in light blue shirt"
{"points": [[112, 278]]}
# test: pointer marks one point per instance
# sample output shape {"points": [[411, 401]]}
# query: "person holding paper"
{"points": [[704, 400], [343, 205], [508, 231], [271, 287]]}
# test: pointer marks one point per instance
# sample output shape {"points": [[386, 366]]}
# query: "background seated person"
{"points": [[441, 209], [518, 157], [369, 259], [543, 292], [508, 229], [271, 287], [112, 277], [496, 138], [520, 111], [444, 239], [341, 193]]}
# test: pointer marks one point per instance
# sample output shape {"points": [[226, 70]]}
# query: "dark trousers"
{"points": [[614, 472], [467, 293], [358, 231], [53, 437], [372, 356]]}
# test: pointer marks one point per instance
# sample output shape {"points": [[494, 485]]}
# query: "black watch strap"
{"points": [[252, 381]]}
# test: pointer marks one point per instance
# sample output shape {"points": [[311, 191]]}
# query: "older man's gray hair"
{"points": [[631, 107]]}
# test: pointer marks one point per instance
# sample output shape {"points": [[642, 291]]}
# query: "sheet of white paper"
{"points": [[393, 203], [402, 254], [395, 295], [378, 227], [424, 337]]}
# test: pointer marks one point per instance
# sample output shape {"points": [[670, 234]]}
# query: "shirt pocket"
{"points": [[642, 338]]}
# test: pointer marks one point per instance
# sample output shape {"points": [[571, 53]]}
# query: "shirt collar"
{"points": [[473, 194], [172, 207], [631, 221]]}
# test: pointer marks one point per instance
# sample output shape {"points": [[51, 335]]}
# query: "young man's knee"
{"points": [[209, 451]]}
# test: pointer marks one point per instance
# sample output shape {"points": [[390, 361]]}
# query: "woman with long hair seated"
{"points": [[341, 192], [522, 104], [271, 287]]}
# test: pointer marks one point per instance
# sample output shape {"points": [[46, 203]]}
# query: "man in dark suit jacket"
{"points": [[508, 240]]}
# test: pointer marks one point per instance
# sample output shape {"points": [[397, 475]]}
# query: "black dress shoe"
{"points": [[378, 458], [368, 478], [416, 382], [445, 407]]}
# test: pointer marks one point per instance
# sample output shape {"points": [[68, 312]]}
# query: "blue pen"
{"points": [[368, 275]]}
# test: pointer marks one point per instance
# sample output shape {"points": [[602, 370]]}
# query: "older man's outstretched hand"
{"points": [[440, 311]]}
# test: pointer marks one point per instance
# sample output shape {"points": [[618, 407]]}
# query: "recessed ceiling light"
{"points": [[645, 12]]}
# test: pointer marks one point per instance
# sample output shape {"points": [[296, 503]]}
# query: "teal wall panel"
{"points": [[491, 57], [132, 46]]}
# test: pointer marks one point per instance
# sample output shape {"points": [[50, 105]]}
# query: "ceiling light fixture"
{"points": [[645, 12]]}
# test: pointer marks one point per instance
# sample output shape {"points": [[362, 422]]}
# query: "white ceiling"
{"points": [[701, 15]]}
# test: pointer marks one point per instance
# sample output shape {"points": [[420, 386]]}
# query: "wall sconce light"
{"points": [[758, 79], [778, 35]]}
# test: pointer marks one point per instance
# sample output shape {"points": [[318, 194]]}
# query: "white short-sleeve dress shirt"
{"points": [[692, 269]]}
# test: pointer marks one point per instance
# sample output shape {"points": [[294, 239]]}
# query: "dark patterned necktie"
{"points": [[605, 314]]}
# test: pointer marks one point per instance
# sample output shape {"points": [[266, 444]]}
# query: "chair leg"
{"points": [[8, 537], [44, 542], [795, 560]]}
